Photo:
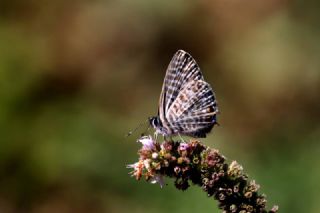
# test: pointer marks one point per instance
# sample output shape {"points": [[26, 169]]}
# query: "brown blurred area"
{"points": [[76, 76]]}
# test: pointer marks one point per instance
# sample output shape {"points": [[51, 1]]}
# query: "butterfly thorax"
{"points": [[156, 123]]}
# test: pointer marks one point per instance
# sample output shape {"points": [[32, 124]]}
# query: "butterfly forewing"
{"points": [[181, 69]]}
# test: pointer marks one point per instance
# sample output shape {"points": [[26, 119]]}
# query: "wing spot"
{"points": [[183, 98], [176, 108], [195, 88]]}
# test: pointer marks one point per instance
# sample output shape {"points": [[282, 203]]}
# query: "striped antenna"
{"points": [[138, 127]]}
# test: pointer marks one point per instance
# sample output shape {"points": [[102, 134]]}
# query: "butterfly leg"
{"points": [[155, 136], [165, 138], [146, 131], [181, 138]]}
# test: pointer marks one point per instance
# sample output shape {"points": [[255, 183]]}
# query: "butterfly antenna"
{"points": [[135, 129], [147, 129]]}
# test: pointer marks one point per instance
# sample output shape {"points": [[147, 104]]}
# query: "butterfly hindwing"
{"points": [[194, 110]]}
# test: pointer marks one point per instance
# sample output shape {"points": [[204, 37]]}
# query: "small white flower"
{"points": [[183, 146], [147, 163], [236, 166], [162, 147], [137, 169], [253, 186], [235, 169], [155, 155], [275, 208], [157, 179], [132, 166], [147, 142], [136, 166]]}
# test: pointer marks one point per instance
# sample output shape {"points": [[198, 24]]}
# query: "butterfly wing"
{"points": [[194, 110], [182, 69]]}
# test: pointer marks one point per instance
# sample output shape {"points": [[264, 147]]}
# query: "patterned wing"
{"points": [[182, 69], [194, 110]]}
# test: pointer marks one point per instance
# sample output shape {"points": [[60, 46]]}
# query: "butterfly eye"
{"points": [[153, 121]]}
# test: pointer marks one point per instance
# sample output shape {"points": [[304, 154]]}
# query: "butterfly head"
{"points": [[155, 122]]}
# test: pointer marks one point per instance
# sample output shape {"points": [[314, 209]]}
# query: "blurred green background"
{"points": [[76, 76]]}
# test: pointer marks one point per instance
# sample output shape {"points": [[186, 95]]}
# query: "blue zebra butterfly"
{"points": [[187, 104]]}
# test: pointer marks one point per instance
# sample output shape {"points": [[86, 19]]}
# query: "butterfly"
{"points": [[187, 104]]}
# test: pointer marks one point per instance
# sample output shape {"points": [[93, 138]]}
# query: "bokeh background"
{"points": [[76, 76]]}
